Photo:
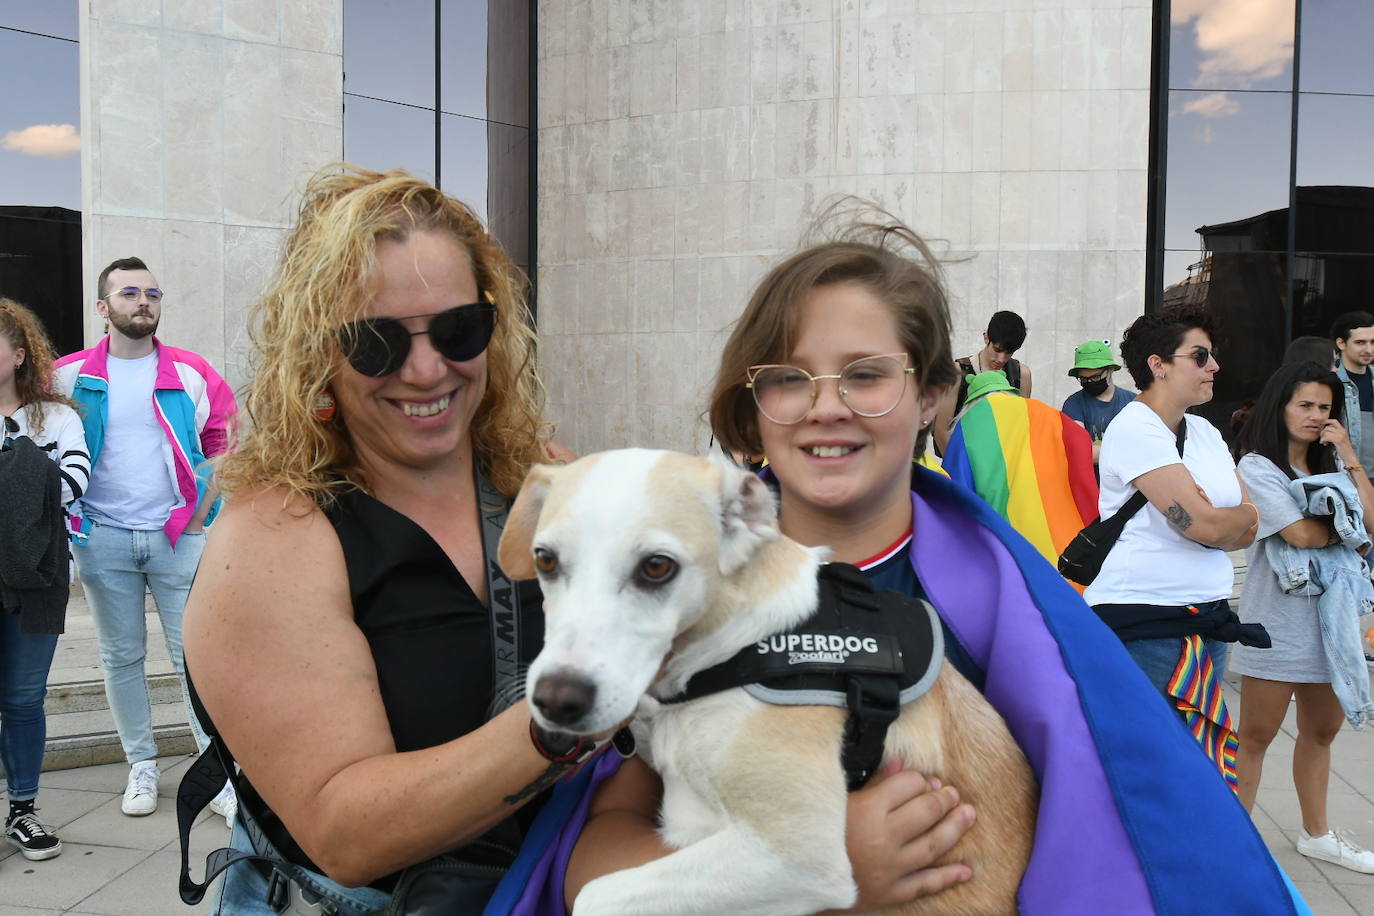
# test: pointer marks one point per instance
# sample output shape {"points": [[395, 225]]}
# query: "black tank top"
{"points": [[430, 639]]}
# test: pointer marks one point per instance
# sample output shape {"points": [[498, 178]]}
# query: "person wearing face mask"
{"points": [[1100, 400]]}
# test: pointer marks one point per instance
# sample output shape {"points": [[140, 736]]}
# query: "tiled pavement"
{"points": [[114, 865]]}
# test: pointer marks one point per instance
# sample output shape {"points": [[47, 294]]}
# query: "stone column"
{"points": [[201, 122]]}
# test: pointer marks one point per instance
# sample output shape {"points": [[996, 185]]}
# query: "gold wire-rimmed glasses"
{"points": [[871, 386]]}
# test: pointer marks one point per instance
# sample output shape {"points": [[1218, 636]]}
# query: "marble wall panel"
{"points": [[252, 20], [1012, 132], [192, 273], [193, 159], [312, 26], [206, 16]]}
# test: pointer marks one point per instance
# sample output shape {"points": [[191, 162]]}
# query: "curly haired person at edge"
{"points": [[338, 632]]}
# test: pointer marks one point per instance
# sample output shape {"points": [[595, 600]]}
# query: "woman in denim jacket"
{"points": [[1294, 431]]}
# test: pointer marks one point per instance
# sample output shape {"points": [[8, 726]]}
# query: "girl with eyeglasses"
{"points": [[834, 372], [1294, 432], [44, 467], [1164, 586]]}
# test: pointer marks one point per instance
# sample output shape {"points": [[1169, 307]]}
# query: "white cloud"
{"points": [[1213, 105], [1242, 41], [52, 141]]}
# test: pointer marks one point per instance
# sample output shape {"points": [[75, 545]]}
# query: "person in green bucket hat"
{"points": [[1100, 400]]}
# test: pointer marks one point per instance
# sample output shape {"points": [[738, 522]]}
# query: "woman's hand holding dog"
{"points": [[898, 826]]}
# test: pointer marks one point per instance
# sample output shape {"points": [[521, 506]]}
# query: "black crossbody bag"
{"points": [[460, 881], [1082, 559]]}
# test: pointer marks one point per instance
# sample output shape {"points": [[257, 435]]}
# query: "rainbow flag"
{"points": [[1196, 692], [1031, 463]]}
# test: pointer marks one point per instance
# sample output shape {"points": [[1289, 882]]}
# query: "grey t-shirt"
{"points": [[1297, 655]]}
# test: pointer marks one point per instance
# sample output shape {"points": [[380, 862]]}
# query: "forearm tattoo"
{"points": [[545, 779], [1179, 517]]}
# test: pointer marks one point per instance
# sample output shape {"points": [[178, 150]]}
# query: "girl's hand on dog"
{"points": [[898, 826]]}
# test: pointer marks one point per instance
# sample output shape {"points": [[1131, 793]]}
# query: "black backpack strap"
{"points": [[203, 780], [1138, 499]]}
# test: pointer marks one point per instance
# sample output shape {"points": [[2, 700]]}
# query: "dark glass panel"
{"points": [[487, 166], [1245, 290], [47, 17], [463, 62], [1335, 46], [389, 50], [465, 170], [40, 160], [1217, 46], [1327, 284], [383, 135], [1227, 160], [1335, 140]]}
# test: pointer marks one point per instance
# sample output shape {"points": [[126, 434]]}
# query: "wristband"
{"points": [[555, 746], [1354, 467]]}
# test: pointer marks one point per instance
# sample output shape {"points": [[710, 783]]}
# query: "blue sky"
{"points": [[39, 167], [389, 48]]}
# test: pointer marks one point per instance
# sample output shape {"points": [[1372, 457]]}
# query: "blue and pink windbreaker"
{"points": [[193, 404]]}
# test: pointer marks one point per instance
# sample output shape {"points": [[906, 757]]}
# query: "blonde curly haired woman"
{"points": [[339, 631]]}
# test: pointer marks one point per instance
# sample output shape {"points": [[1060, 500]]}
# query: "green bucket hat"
{"points": [[985, 383], [1095, 354]]}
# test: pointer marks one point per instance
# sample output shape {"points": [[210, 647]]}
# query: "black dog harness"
{"points": [[864, 650]]}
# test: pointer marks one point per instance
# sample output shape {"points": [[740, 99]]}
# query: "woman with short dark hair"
{"points": [[1164, 586]]}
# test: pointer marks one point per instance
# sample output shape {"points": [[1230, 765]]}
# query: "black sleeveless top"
{"points": [[430, 639]]}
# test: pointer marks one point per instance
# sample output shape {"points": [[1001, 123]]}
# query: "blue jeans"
{"points": [[24, 663], [1159, 657], [117, 566], [243, 889]]}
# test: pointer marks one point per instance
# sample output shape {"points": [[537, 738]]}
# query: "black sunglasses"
{"points": [[379, 346], [11, 427], [1200, 355]]}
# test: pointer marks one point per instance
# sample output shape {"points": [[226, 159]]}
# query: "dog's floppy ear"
{"points": [[514, 553], [748, 515]]}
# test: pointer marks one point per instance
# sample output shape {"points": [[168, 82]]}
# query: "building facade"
{"points": [[647, 160]]}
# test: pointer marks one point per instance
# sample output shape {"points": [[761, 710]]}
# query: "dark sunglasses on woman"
{"points": [[1200, 355], [379, 346]]}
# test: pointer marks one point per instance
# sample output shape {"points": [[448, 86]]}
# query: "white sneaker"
{"points": [[140, 796], [1337, 848], [226, 803]]}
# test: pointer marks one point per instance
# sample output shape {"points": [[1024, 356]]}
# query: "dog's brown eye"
{"points": [[545, 560], [658, 568]]}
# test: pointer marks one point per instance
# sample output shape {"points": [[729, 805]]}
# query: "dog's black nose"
{"points": [[564, 699]]}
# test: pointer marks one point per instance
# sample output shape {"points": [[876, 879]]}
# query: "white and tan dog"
{"points": [[655, 566]]}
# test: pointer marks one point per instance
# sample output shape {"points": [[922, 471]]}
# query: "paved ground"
{"points": [[114, 865]]}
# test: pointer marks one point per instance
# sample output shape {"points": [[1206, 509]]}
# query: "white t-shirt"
{"points": [[131, 486], [1152, 563]]}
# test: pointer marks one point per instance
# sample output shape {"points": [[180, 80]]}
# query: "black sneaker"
{"points": [[34, 840]]}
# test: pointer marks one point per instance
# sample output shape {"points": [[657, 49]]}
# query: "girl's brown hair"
{"points": [[33, 378], [326, 279], [861, 243]]}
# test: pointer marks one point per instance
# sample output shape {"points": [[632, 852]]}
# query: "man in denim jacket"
{"points": [[1353, 334]]}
